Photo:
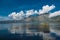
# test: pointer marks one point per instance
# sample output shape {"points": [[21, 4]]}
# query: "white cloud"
{"points": [[29, 12], [36, 11], [21, 14], [46, 9], [54, 14], [17, 16], [12, 15]]}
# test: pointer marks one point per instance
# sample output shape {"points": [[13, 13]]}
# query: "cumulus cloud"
{"points": [[12, 15], [21, 14], [29, 12], [54, 14], [36, 12], [17, 16], [46, 9]]}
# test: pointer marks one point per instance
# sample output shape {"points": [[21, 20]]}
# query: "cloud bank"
{"points": [[3, 18], [17, 16], [57, 13], [46, 9], [21, 14]]}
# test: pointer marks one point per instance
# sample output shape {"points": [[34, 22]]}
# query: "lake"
{"points": [[13, 31]]}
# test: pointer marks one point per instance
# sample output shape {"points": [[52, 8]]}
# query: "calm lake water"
{"points": [[6, 31], [27, 27], [18, 27]]}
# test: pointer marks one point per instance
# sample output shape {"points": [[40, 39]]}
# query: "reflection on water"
{"points": [[29, 27], [4, 26], [55, 27], [19, 27]]}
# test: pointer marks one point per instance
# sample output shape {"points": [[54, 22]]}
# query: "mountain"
{"points": [[55, 19], [12, 21]]}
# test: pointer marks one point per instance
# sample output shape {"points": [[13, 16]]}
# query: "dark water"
{"points": [[5, 33], [20, 27]]}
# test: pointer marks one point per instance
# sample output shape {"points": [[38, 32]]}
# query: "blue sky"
{"points": [[8, 6]]}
